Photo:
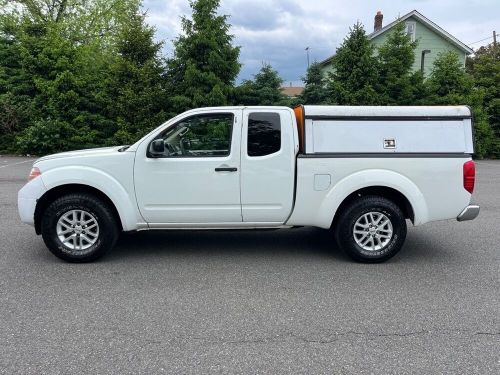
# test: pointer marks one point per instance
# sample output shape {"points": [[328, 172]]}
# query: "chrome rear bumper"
{"points": [[469, 213]]}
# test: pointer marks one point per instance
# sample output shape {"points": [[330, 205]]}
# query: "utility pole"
{"points": [[307, 51], [494, 39]]}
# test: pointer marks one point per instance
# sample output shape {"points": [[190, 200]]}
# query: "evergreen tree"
{"points": [[205, 64], [315, 91], [485, 68], [16, 91], [486, 144], [397, 84], [267, 87], [264, 89], [67, 78], [136, 94], [355, 70], [449, 83], [244, 94], [65, 50]]}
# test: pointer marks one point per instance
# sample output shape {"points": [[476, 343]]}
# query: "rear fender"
{"points": [[370, 178]]}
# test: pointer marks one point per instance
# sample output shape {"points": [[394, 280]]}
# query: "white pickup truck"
{"points": [[361, 171]]}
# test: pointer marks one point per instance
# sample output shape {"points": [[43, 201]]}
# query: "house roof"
{"points": [[427, 22], [431, 25], [292, 91]]}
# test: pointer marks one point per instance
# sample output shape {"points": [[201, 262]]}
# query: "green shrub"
{"points": [[45, 137]]}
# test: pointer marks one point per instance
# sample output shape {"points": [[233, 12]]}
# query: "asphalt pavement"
{"points": [[268, 302]]}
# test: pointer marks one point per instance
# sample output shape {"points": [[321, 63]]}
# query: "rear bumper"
{"points": [[469, 213]]}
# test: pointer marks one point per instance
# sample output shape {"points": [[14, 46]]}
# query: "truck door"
{"points": [[197, 180], [268, 152]]}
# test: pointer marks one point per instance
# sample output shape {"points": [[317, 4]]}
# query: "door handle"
{"points": [[226, 169]]}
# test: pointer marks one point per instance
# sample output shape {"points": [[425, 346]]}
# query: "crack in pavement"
{"points": [[334, 337]]}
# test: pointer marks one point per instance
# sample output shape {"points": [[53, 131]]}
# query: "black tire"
{"points": [[106, 236], [344, 229]]}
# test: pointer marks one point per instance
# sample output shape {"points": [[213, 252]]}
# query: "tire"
{"points": [[371, 229], [79, 228]]}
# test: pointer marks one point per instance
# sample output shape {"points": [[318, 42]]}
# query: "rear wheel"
{"points": [[79, 228], [371, 229]]}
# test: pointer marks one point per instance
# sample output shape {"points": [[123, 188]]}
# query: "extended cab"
{"points": [[361, 171]]}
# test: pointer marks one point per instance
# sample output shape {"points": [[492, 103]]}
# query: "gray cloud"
{"points": [[277, 31]]}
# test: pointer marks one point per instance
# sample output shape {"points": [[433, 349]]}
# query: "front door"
{"points": [[197, 179]]}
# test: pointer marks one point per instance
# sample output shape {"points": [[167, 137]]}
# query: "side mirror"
{"points": [[157, 148]]}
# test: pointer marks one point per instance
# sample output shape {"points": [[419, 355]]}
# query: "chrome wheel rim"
{"points": [[77, 230], [373, 231]]}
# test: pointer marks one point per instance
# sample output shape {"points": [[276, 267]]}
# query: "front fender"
{"points": [[369, 178], [100, 180]]}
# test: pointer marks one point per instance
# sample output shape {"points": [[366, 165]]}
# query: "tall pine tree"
{"points": [[448, 83], [264, 89], [398, 85], [355, 70], [136, 94], [205, 63], [315, 91]]}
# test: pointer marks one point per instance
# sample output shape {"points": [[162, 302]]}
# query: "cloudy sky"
{"points": [[278, 31]]}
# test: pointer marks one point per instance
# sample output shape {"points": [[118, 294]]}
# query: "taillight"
{"points": [[35, 172], [469, 176]]}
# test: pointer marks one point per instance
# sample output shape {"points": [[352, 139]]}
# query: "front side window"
{"points": [[264, 133], [207, 135]]}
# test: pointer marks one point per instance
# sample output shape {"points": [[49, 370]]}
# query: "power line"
{"points": [[482, 40]]}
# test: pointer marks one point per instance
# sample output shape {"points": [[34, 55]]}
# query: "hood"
{"points": [[89, 152]]}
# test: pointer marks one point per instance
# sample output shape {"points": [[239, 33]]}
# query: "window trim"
{"points": [[232, 114], [248, 128], [413, 33]]}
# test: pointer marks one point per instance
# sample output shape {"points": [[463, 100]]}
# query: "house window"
{"points": [[410, 30]]}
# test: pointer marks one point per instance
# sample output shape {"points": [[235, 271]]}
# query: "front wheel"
{"points": [[371, 229], [79, 228]]}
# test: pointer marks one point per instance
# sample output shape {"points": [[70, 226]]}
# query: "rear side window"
{"points": [[264, 133]]}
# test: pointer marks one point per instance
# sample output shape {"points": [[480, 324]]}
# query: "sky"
{"points": [[278, 31]]}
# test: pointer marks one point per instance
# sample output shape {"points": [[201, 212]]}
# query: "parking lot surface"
{"points": [[253, 302]]}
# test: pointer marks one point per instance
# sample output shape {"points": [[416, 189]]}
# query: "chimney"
{"points": [[378, 21]]}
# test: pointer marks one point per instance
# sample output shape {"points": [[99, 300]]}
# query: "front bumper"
{"points": [[27, 199], [469, 213]]}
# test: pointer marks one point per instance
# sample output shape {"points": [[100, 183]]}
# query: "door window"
{"points": [[207, 135], [264, 133]]}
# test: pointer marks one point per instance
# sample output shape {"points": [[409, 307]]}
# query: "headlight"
{"points": [[35, 172]]}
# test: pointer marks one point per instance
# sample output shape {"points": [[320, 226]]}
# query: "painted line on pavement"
{"points": [[21, 162]]}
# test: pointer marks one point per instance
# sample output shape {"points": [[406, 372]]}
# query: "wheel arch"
{"points": [[389, 193], [51, 195], [383, 182]]}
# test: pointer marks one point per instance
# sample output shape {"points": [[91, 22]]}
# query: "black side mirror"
{"points": [[157, 148]]}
